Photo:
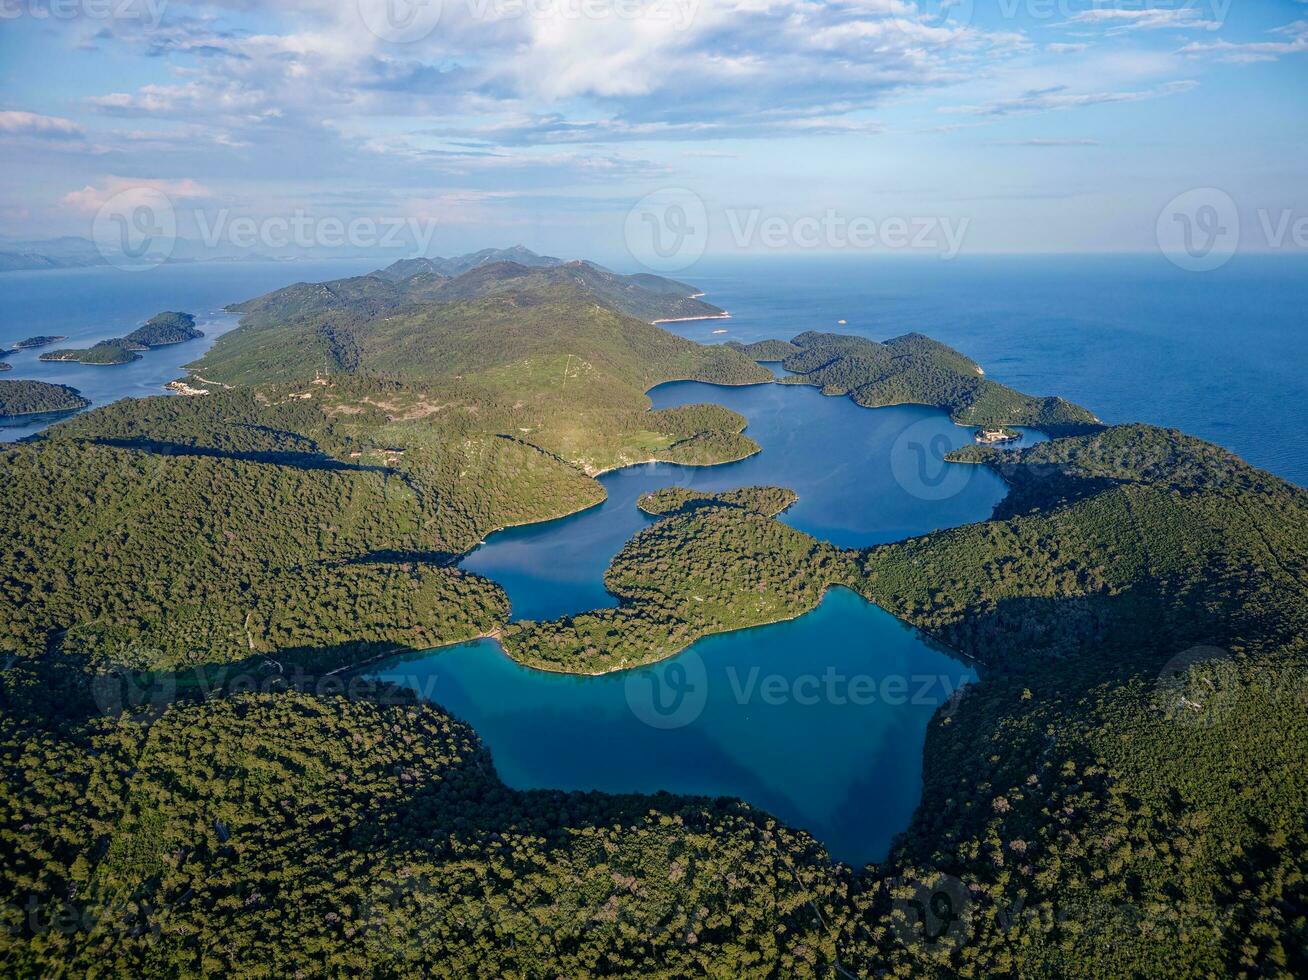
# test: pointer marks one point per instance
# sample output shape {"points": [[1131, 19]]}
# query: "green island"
{"points": [[36, 397], [116, 350], [193, 786], [39, 341], [160, 330], [507, 272], [163, 329]]}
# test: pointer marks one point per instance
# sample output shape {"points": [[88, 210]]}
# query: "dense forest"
{"points": [[510, 272], [1132, 773], [116, 350], [916, 369], [31, 397], [163, 329], [194, 785]]}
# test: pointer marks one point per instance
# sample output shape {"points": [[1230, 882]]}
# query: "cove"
{"points": [[864, 476], [819, 720]]}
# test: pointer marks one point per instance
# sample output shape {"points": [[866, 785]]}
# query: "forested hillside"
{"points": [[916, 369], [507, 272], [1123, 793]]}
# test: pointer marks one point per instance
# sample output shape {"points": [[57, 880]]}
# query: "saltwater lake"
{"points": [[820, 720], [863, 477]]}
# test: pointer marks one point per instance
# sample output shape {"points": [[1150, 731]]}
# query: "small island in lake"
{"points": [[160, 330], [39, 341], [37, 397]]}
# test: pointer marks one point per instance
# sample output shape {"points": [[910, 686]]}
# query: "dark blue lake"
{"points": [[819, 720]]}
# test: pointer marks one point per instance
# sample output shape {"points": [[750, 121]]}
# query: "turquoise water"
{"points": [[819, 720]]}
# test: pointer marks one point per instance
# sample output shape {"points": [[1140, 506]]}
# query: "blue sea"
{"points": [[820, 720], [1222, 355]]}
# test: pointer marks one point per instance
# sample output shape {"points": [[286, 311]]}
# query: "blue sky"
{"points": [[1038, 125]]}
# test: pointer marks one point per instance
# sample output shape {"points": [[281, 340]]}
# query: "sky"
{"points": [[604, 127]]}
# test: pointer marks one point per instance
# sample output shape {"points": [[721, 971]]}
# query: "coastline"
{"points": [[724, 315]]}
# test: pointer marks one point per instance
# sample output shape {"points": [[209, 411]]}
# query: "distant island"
{"points": [[37, 397], [161, 330], [39, 341]]}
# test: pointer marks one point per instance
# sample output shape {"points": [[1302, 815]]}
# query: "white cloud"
{"points": [[1296, 42], [1150, 19], [1060, 97], [17, 123]]}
